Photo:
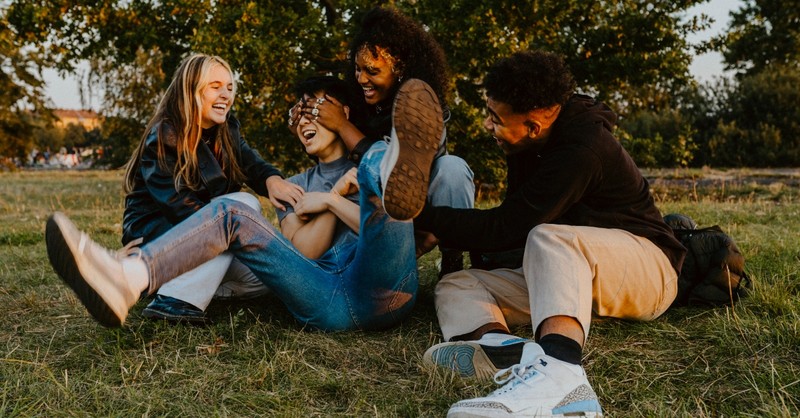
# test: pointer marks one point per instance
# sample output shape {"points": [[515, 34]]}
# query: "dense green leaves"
{"points": [[633, 54], [20, 91], [763, 33]]}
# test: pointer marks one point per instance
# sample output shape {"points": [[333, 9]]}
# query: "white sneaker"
{"points": [[92, 271], [479, 358], [417, 127], [541, 386]]}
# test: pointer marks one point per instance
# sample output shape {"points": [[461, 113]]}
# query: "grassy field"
{"points": [[254, 360]]}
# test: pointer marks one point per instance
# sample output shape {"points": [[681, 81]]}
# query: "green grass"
{"points": [[254, 360]]}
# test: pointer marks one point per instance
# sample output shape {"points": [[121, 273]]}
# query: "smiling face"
{"points": [[216, 98], [317, 140], [377, 75], [511, 131]]}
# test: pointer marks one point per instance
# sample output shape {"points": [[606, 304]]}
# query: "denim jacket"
{"points": [[154, 205]]}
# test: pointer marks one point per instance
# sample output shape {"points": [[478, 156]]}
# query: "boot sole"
{"points": [[62, 258], [418, 123]]}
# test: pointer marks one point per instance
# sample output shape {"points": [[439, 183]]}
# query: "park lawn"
{"points": [[255, 360]]}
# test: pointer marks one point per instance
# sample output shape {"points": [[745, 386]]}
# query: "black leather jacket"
{"points": [[154, 206]]}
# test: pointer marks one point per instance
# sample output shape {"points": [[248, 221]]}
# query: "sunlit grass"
{"points": [[254, 360]]}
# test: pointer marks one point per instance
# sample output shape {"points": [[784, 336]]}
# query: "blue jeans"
{"points": [[451, 183], [367, 284]]}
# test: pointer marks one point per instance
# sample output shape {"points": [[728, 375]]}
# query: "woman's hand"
{"points": [[295, 112], [281, 190], [347, 184], [312, 203], [326, 111]]}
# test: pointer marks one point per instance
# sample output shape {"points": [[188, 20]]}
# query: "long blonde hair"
{"points": [[179, 115]]}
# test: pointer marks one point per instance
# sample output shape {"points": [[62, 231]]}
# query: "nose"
{"points": [[361, 78], [304, 120], [487, 123]]}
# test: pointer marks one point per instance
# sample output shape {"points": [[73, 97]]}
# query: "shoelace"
{"points": [[517, 373]]}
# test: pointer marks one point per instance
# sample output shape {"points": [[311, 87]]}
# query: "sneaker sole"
{"points": [[61, 255], [503, 413], [417, 121], [156, 315], [467, 358]]}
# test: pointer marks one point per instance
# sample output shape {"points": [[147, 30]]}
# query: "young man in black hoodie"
{"points": [[593, 242]]}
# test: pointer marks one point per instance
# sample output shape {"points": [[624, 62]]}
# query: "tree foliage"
{"points": [[21, 93], [758, 121], [630, 53], [762, 33]]}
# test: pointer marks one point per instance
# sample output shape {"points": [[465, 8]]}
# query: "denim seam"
{"points": [[173, 244], [401, 285]]}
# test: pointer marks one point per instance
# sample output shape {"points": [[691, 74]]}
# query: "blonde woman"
{"points": [[191, 152]]}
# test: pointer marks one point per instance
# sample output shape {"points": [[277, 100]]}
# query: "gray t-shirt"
{"points": [[321, 178]]}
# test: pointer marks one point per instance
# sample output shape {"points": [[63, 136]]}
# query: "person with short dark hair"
{"points": [[593, 239]]}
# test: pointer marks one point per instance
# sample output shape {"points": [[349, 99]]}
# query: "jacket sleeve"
{"points": [[176, 205], [254, 167], [559, 183]]}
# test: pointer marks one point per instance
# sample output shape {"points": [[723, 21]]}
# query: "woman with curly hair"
{"points": [[388, 51]]}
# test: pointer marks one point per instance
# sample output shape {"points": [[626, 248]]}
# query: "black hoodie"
{"points": [[580, 176]]}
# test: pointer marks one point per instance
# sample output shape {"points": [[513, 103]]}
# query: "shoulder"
{"points": [[162, 132], [301, 178], [232, 122]]}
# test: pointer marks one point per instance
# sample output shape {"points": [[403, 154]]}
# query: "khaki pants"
{"points": [[567, 270]]}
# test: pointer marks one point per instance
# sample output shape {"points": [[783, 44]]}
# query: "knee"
{"points": [[451, 183], [543, 236], [243, 197], [450, 167], [455, 282]]}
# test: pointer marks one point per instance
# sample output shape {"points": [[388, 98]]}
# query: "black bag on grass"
{"points": [[713, 272]]}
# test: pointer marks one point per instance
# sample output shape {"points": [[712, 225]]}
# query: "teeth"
{"points": [[219, 106], [309, 134]]}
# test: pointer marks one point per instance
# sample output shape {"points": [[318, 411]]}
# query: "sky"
{"points": [[65, 92]]}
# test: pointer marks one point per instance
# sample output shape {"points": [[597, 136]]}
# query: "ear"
{"points": [[534, 127], [346, 110]]}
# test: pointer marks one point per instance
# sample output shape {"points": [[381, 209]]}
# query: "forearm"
{"points": [[315, 236], [350, 135], [346, 210], [475, 229]]}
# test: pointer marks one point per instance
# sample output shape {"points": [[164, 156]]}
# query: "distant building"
{"points": [[88, 118]]}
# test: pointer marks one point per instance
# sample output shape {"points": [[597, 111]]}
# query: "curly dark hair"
{"points": [[418, 53], [530, 80]]}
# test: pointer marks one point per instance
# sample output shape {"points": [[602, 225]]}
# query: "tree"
{"points": [[762, 33], [631, 53], [758, 124], [663, 138], [21, 94]]}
